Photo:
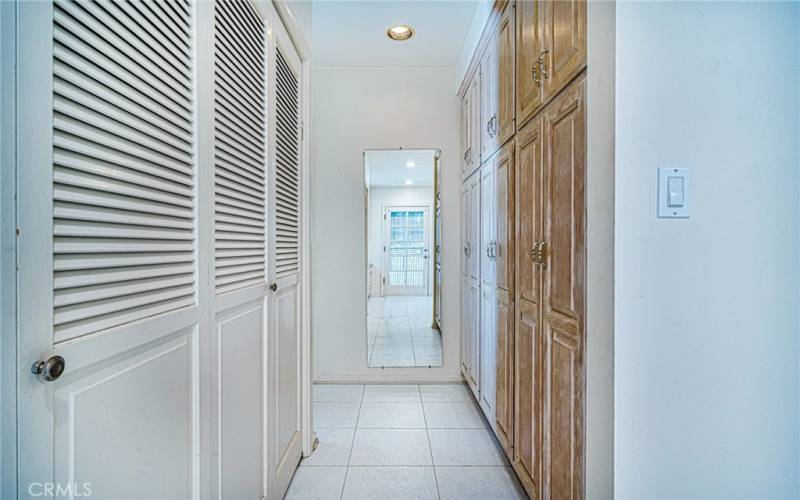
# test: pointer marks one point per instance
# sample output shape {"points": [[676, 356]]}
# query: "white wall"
{"points": [[706, 345], [379, 198], [355, 110]]}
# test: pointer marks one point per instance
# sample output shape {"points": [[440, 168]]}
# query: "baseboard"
{"points": [[388, 379]]}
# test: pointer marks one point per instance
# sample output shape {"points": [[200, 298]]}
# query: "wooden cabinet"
{"points": [[563, 307], [530, 38], [470, 128], [497, 85], [564, 44], [550, 256], [503, 252], [550, 52], [527, 453], [523, 117]]}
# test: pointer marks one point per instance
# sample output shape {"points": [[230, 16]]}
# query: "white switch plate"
{"points": [[680, 178]]}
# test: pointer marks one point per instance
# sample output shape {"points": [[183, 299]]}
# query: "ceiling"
{"points": [[388, 168], [353, 33]]}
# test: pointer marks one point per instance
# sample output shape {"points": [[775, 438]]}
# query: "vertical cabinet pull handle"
{"points": [[535, 72], [539, 253], [543, 64]]}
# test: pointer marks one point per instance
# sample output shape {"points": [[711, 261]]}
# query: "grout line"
{"points": [[430, 447], [353, 442]]}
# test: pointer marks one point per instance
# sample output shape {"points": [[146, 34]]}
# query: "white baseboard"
{"points": [[387, 379]]}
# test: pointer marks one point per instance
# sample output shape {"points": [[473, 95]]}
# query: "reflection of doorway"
{"points": [[406, 240]]}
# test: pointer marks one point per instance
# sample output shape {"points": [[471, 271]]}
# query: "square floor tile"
{"points": [[445, 393], [391, 447], [489, 483], [335, 415], [391, 392], [465, 447], [453, 416], [338, 392], [395, 323], [333, 448], [396, 483], [391, 415], [316, 483]]}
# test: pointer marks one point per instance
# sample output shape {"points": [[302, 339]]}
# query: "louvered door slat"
{"points": [[123, 166], [287, 164], [240, 134]]}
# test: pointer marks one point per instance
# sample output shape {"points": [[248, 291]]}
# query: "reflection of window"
{"points": [[407, 248]]}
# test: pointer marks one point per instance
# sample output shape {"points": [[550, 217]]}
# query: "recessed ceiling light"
{"points": [[410, 164], [409, 182], [400, 32]]}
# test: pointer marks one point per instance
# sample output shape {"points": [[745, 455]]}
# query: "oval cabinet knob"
{"points": [[50, 369]]}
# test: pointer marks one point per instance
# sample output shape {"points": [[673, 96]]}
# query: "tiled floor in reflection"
{"points": [[399, 332], [402, 442]]}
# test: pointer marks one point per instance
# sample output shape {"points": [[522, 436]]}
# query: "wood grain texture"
{"points": [[564, 290], [529, 41], [504, 403], [529, 171], [505, 237], [565, 43], [505, 40]]}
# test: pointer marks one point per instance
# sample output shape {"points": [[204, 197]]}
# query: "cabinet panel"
{"points": [[564, 412], [504, 193], [565, 125], [565, 130], [528, 397], [465, 214], [489, 72], [565, 43], [465, 328], [473, 376], [488, 225], [504, 382], [529, 40], [473, 230], [488, 353], [466, 130], [529, 172], [505, 43]]}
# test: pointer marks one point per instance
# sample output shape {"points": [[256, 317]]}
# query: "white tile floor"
{"points": [[399, 332], [402, 442]]}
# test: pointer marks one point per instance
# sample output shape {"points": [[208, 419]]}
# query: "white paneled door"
{"points": [[284, 231], [109, 320], [159, 251], [405, 248]]}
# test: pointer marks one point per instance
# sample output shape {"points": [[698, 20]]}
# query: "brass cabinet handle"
{"points": [[539, 253], [534, 72], [543, 64]]}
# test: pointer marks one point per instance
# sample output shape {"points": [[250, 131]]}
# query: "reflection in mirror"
{"points": [[402, 329]]}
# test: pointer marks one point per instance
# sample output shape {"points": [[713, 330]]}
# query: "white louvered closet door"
{"points": [[283, 241], [107, 248], [240, 165]]}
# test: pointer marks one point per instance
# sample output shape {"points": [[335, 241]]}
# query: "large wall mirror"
{"points": [[403, 265]]}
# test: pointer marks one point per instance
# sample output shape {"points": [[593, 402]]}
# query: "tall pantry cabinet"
{"points": [[523, 221]]}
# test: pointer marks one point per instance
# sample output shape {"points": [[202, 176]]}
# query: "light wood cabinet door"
{"points": [[505, 42], [489, 73], [529, 177], [527, 453], [466, 130], [563, 311], [504, 401], [528, 49], [504, 240], [564, 43], [474, 156]]}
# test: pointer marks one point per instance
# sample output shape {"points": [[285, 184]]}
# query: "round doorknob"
{"points": [[273, 287], [50, 369]]}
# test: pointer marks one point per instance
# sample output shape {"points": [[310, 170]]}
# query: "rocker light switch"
{"points": [[673, 192]]}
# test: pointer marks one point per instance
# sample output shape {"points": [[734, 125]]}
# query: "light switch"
{"points": [[673, 192]]}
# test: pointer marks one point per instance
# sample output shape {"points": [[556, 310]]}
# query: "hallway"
{"points": [[400, 334], [402, 442]]}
